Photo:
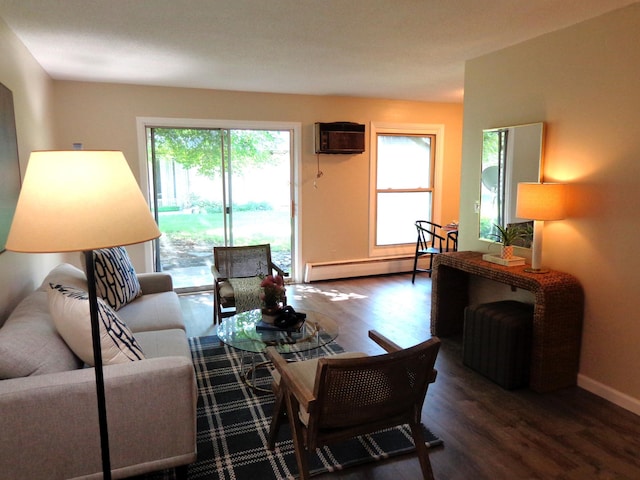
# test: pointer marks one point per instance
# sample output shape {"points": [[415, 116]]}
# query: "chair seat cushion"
{"points": [[164, 343], [305, 371], [243, 293], [155, 311], [225, 291]]}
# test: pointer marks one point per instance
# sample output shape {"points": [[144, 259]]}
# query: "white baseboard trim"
{"points": [[614, 396], [363, 267]]}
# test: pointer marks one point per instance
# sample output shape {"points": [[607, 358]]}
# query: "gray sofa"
{"points": [[48, 411]]}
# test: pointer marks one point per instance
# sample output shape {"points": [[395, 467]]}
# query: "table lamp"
{"points": [[540, 202], [81, 201]]}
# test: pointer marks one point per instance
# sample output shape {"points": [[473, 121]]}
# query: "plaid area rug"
{"points": [[233, 425]]}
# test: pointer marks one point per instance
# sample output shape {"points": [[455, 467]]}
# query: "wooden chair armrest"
{"points": [[384, 342], [290, 383], [217, 276], [279, 270], [278, 361]]}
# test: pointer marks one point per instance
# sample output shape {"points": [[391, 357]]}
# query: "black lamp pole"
{"points": [[97, 360]]}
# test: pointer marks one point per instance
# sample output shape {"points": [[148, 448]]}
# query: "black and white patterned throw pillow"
{"points": [[69, 308], [116, 279]]}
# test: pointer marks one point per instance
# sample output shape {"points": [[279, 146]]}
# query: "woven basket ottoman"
{"points": [[497, 341]]}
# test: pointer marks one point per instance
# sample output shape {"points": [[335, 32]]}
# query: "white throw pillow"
{"points": [[116, 279], [69, 308], [65, 274]]}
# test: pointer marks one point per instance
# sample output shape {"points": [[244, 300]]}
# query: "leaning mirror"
{"points": [[510, 155]]}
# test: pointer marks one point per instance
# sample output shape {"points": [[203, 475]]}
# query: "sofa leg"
{"points": [[181, 472]]}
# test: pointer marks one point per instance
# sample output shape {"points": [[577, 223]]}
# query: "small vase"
{"points": [[507, 252], [269, 314]]}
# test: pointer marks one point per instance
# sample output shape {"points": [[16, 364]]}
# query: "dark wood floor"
{"points": [[488, 432]]}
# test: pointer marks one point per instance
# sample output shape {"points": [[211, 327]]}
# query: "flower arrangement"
{"points": [[272, 290]]}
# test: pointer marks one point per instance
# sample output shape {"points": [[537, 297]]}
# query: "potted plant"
{"points": [[272, 296], [506, 236]]}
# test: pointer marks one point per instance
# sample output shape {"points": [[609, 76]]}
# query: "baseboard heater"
{"points": [[363, 267]]}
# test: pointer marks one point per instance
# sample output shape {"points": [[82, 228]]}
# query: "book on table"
{"points": [[269, 327], [507, 262]]}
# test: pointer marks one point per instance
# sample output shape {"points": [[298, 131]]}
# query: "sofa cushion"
{"points": [[164, 343], [65, 274], [30, 344], [155, 311], [69, 307], [116, 279]]}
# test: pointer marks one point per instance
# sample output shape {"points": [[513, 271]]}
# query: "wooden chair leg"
{"points": [[216, 307], [298, 437], [422, 451], [277, 417]]}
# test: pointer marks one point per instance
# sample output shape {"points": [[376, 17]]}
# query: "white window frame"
{"points": [[401, 129], [142, 123]]}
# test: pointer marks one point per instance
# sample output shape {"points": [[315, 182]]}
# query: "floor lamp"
{"points": [[80, 201], [540, 202]]}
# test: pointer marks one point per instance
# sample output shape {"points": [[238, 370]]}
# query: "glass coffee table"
{"points": [[239, 332]]}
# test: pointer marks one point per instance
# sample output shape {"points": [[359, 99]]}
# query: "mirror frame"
{"points": [[500, 172]]}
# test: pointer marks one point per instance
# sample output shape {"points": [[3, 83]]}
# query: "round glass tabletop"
{"points": [[239, 331]]}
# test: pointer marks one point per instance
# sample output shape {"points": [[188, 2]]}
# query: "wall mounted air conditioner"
{"points": [[339, 137]]}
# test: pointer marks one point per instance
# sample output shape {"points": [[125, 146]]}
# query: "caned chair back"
{"points": [[382, 389], [242, 262]]}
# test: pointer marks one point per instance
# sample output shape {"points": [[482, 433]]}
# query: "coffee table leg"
{"points": [[249, 375], [242, 362]]}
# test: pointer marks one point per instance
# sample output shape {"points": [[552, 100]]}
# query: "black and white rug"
{"points": [[233, 425]]}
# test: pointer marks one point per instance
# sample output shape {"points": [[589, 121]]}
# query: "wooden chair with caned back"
{"points": [[331, 399], [245, 266]]}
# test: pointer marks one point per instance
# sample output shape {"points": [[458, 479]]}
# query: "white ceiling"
{"points": [[397, 49]]}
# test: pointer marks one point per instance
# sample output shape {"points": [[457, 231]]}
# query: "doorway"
{"points": [[217, 186]]}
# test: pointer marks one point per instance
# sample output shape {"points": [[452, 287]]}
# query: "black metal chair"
{"points": [[452, 236], [430, 242]]}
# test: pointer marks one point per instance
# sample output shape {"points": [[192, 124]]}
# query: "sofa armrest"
{"points": [[156, 282], [49, 423]]}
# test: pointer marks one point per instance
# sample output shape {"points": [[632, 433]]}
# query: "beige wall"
{"points": [[31, 88], [583, 82], [334, 216]]}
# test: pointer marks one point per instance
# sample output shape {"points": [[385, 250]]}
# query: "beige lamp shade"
{"points": [[541, 201], [79, 200]]}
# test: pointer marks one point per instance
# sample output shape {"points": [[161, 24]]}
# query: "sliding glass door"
{"points": [[218, 186]]}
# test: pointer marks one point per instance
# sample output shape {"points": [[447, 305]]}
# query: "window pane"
{"points": [[397, 214], [404, 161]]}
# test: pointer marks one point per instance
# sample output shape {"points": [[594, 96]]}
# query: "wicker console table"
{"points": [[557, 316]]}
